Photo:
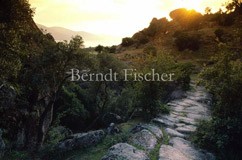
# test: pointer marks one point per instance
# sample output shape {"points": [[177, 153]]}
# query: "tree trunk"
{"points": [[44, 124]]}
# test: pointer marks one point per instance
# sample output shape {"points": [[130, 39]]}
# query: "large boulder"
{"points": [[144, 139], [81, 140], [124, 151], [2, 144]]}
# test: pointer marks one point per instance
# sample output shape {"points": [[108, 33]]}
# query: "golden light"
{"points": [[193, 4]]}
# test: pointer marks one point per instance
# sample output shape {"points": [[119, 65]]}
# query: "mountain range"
{"points": [[90, 40]]}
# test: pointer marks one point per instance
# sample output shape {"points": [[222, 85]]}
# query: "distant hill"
{"points": [[90, 40]]}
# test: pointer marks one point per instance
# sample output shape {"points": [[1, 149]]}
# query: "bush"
{"points": [[153, 94], [151, 50], [226, 20], [126, 42], [223, 133], [219, 33], [184, 41]]}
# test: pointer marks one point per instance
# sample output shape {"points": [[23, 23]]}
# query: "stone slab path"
{"points": [[178, 125]]}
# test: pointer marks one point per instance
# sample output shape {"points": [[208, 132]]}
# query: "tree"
{"points": [[45, 77], [208, 10], [126, 42], [99, 48]]}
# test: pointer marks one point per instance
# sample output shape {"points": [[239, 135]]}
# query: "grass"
{"points": [[154, 154], [166, 138]]}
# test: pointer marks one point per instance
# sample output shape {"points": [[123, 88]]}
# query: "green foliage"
{"points": [[13, 11], [166, 138], [151, 50], [154, 154], [184, 41], [17, 155], [99, 48], [153, 94], [222, 134], [226, 19], [126, 42], [183, 72]]}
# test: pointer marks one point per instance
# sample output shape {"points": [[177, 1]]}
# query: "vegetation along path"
{"points": [[166, 137]]}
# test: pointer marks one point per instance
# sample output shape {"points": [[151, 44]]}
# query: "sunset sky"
{"points": [[111, 17]]}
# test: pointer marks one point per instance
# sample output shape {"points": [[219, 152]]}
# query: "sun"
{"points": [[193, 4]]}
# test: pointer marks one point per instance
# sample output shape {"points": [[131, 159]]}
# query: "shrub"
{"points": [[126, 42], [219, 33], [226, 20], [223, 133], [151, 50], [184, 41]]}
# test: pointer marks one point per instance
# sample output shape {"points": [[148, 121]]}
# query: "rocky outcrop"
{"points": [[81, 140], [124, 151]]}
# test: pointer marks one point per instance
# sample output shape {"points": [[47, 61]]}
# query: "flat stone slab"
{"points": [[189, 150], [169, 118], [170, 153], [195, 116], [187, 129], [124, 151], [144, 139], [186, 120], [174, 133], [163, 122], [180, 124]]}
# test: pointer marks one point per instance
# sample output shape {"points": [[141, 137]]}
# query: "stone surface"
{"points": [[187, 129], [177, 94], [188, 149], [186, 111], [113, 129], [145, 139], [186, 120], [170, 153], [152, 128], [174, 133], [124, 151], [163, 122], [81, 140]]}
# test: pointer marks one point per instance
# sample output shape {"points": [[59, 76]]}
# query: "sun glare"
{"points": [[193, 4]]}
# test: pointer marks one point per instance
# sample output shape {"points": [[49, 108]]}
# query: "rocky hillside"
{"points": [[189, 35]]}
